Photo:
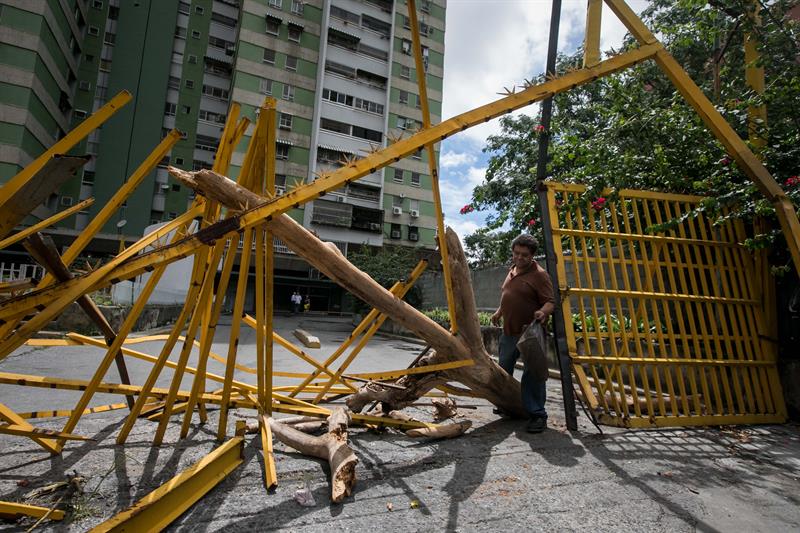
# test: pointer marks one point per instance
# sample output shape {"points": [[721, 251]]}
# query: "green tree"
{"points": [[386, 265], [633, 130]]}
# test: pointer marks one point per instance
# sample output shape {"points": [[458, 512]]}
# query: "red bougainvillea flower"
{"points": [[467, 209], [647, 87], [532, 222], [725, 161], [539, 128], [599, 203], [792, 181]]}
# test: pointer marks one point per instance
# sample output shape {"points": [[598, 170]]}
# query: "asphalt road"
{"points": [[494, 478]]}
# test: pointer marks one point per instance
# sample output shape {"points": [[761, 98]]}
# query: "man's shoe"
{"points": [[536, 425], [499, 411]]}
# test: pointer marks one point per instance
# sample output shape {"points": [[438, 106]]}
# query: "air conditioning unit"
{"points": [[340, 199], [375, 226], [414, 213], [413, 236], [230, 50], [397, 210], [395, 234]]}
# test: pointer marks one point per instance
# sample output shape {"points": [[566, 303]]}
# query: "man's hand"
{"points": [[540, 316], [496, 318]]}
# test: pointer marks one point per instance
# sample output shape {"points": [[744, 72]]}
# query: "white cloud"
{"points": [[456, 159], [492, 45]]}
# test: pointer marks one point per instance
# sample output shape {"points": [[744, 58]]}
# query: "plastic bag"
{"points": [[531, 346]]}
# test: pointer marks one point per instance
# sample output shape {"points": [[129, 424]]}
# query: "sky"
{"points": [[489, 45]]}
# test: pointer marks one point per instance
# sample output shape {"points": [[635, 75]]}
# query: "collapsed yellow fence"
{"points": [[669, 328]]}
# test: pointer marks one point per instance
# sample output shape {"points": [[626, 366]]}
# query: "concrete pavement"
{"points": [[494, 478]]}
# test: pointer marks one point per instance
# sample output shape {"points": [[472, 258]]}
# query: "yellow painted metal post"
{"points": [[437, 198], [71, 139], [269, 136], [591, 43], [39, 226], [7, 415]]}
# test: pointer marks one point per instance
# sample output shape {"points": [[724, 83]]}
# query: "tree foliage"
{"points": [[634, 130], [387, 265]]}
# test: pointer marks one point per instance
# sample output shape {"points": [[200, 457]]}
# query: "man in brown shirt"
{"points": [[527, 296]]}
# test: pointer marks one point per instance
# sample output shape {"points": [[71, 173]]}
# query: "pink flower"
{"points": [[539, 128], [792, 181], [532, 222], [467, 209], [599, 203], [647, 87], [725, 161]]}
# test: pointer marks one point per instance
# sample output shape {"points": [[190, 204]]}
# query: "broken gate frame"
{"points": [[51, 299]]}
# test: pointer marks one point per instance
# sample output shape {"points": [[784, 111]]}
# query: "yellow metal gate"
{"points": [[664, 322]]}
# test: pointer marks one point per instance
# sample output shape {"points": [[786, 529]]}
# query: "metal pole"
{"points": [[544, 213]]}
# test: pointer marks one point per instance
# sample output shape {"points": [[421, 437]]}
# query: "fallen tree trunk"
{"points": [[485, 378], [331, 447]]}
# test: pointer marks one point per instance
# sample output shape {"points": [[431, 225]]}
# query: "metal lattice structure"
{"points": [[691, 369], [663, 311]]}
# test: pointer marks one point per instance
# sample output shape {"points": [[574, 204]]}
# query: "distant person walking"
{"points": [[297, 302], [307, 304], [527, 296]]}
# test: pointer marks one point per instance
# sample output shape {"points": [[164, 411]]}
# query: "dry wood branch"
{"points": [[445, 408], [448, 431], [485, 378], [331, 447]]}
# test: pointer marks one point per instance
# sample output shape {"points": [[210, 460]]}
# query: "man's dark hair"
{"points": [[527, 240]]}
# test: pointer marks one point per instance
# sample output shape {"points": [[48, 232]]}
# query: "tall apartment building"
{"points": [[341, 70]]}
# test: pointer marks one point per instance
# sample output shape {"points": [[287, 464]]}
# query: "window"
{"points": [[425, 6], [180, 33], [105, 65], [206, 143], [370, 107], [88, 178], [275, 3], [199, 10], [195, 34], [186, 109], [395, 232], [170, 109], [85, 85], [189, 84], [80, 113], [294, 33], [403, 97], [173, 215], [413, 233], [417, 154], [210, 116], [401, 123], [334, 126], [405, 46], [222, 19], [285, 121], [94, 30], [398, 175], [282, 151], [415, 179], [297, 7], [337, 97], [97, 4], [273, 25], [269, 56], [178, 160], [66, 200], [192, 59], [368, 134], [183, 7], [174, 83], [288, 92], [110, 38], [216, 92], [405, 72], [397, 201], [291, 63], [265, 86], [89, 58]]}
